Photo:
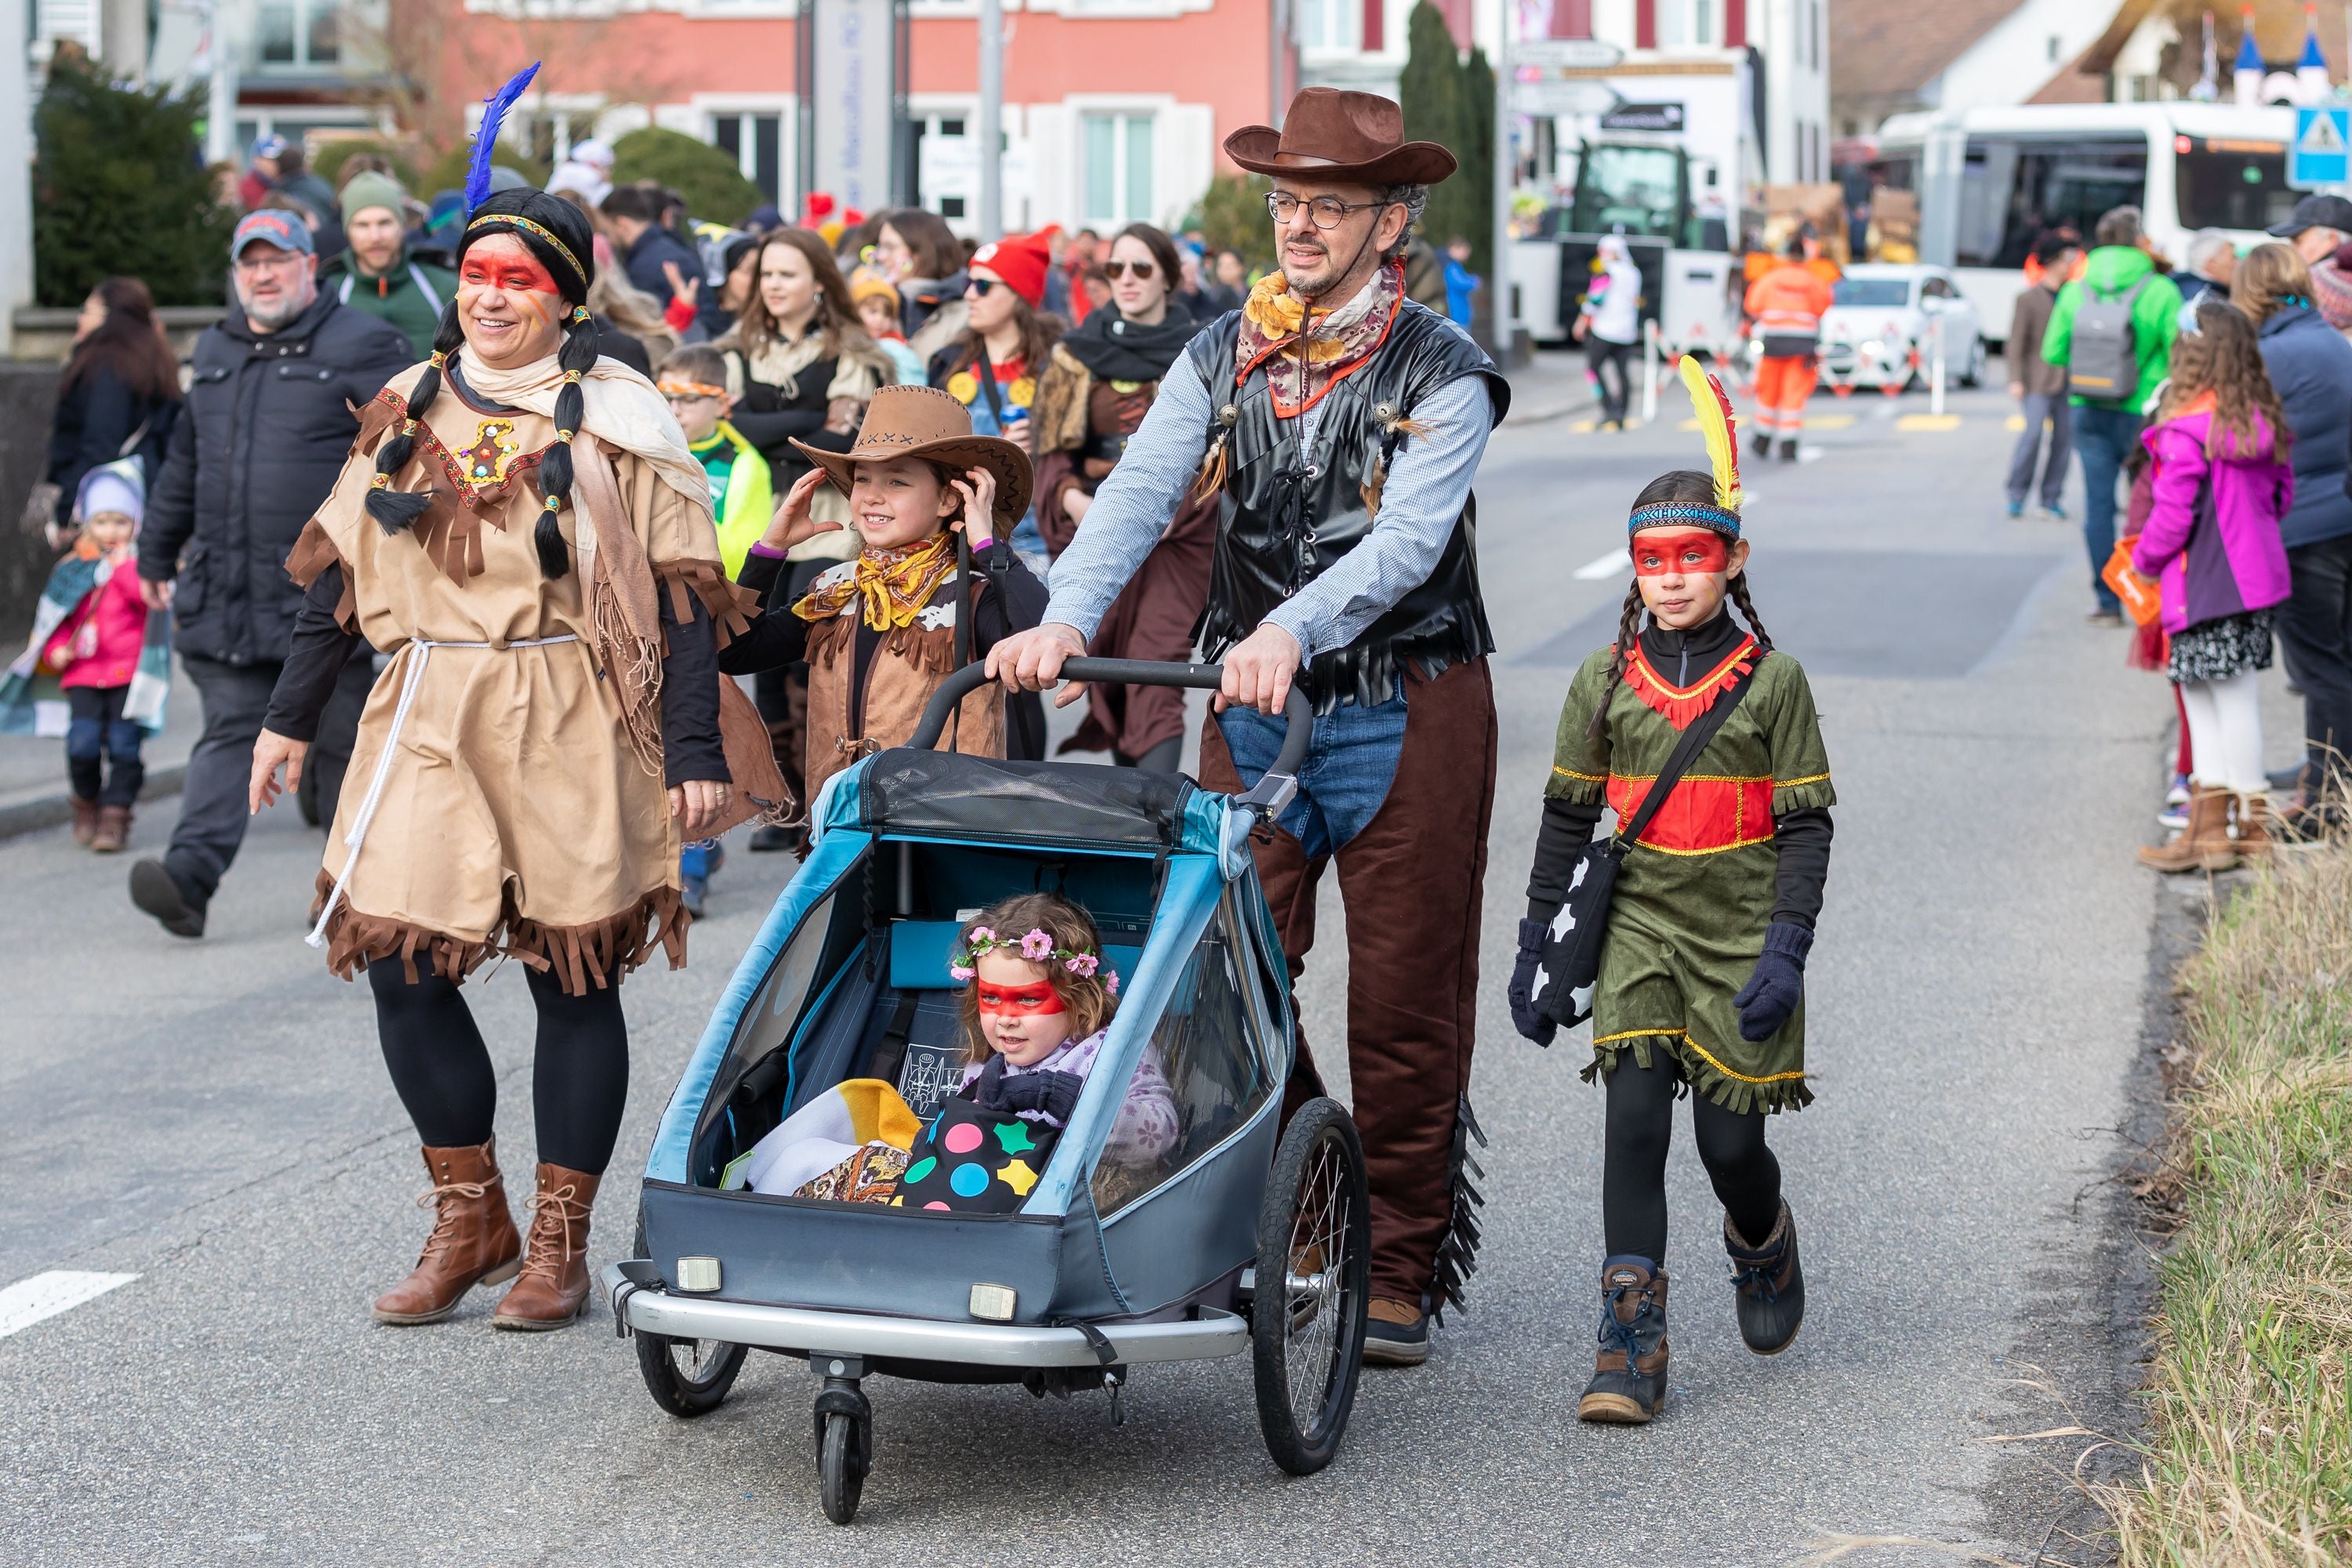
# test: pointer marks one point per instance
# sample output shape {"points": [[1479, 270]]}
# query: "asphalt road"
{"points": [[213, 1119]]}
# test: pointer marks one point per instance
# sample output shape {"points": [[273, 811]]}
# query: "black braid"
{"points": [[1629, 623], [578, 357], [1739, 588], [396, 510]]}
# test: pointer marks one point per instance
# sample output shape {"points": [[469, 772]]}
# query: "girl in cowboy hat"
{"points": [[881, 631]]}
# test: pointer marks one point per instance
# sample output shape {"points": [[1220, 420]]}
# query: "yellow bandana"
{"points": [[892, 585]]}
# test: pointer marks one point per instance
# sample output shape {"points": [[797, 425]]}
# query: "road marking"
{"points": [[1583, 426], [29, 1301], [1828, 422], [1928, 422], [1607, 565], [2016, 422]]}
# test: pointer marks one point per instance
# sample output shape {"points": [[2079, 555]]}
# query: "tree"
{"points": [[1231, 215], [1429, 90], [1476, 153], [121, 186], [713, 185]]}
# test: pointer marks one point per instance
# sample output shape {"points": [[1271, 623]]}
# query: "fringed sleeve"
{"points": [[1801, 763], [1579, 762]]}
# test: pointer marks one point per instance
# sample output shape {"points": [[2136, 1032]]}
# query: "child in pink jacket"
{"points": [[95, 652], [2212, 544]]}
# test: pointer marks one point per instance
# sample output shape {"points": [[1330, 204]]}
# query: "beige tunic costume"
{"points": [[524, 812]]}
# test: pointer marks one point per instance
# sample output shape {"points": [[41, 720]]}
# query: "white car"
{"points": [[1880, 332]]}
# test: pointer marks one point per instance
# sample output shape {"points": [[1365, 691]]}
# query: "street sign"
{"points": [[1644, 117], [1566, 54], [2321, 153], [1562, 97], [854, 71]]}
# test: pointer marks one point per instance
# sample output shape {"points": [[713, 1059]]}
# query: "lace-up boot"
{"points": [[1770, 1287], [1628, 1373], [473, 1241], [553, 1289]]}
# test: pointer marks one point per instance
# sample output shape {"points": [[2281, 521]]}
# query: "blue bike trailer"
{"points": [[1108, 1263]]}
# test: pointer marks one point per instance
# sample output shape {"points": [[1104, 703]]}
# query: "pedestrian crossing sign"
{"points": [[2321, 154]]}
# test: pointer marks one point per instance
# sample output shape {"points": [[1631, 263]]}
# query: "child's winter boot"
{"points": [[1770, 1287], [1628, 1373]]}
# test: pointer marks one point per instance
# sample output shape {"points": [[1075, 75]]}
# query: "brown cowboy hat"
{"points": [[925, 422], [1351, 138]]}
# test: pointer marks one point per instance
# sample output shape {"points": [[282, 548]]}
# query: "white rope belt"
{"points": [[411, 679]]}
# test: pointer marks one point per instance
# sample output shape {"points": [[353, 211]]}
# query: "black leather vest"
{"points": [[1285, 517]]}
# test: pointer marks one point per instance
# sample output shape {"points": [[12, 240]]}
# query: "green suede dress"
{"points": [[1694, 896]]}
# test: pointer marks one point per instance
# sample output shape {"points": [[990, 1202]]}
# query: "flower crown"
{"points": [[1035, 947]]}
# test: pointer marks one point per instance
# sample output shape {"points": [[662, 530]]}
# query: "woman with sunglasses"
{"points": [[1097, 387], [992, 366]]}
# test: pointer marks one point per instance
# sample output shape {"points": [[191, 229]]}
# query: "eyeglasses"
{"points": [[277, 261], [1114, 270], [1325, 211]]}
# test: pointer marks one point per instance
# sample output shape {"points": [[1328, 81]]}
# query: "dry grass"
{"points": [[2249, 1456]]}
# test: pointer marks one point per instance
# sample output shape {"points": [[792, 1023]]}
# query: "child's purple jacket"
{"points": [[2214, 550]]}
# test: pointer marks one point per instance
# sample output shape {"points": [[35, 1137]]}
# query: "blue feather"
{"points": [[486, 139]]}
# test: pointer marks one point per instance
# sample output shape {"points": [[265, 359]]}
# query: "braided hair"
{"points": [[1689, 486], [555, 232]]}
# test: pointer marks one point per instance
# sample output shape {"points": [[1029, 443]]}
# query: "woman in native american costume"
{"points": [[523, 528]]}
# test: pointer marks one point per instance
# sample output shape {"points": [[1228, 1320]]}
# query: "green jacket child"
{"points": [[2110, 271]]}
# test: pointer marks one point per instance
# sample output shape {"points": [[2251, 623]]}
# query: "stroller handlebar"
{"points": [[1267, 797]]}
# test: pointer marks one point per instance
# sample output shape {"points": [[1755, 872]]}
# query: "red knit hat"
{"points": [[1019, 261]]}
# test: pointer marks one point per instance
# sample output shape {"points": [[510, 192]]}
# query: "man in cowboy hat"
{"points": [[1339, 424]]}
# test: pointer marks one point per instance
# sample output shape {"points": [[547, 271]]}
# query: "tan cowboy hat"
{"points": [[1332, 134], [925, 422]]}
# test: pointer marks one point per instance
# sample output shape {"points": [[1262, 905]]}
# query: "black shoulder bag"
{"points": [[1570, 969]]}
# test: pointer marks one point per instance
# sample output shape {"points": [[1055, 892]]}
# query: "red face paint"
{"points": [[505, 263], [1036, 1000], [1680, 552]]}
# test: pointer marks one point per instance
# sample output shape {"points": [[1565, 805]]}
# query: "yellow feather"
{"points": [[1715, 424]]}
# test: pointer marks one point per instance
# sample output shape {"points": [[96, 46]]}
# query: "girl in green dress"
{"points": [[1701, 986]]}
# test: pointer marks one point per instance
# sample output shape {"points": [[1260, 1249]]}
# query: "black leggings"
{"points": [[1633, 1170], [579, 1082], [1600, 358]]}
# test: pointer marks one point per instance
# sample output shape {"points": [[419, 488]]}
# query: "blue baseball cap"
{"points": [[271, 226], [269, 146]]}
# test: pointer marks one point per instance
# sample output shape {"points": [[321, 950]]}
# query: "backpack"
{"points": [[2101, 363]]}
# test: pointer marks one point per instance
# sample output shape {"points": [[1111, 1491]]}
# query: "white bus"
{"points": [[1989, 180]]}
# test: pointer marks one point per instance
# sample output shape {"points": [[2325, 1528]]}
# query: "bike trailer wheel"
{"points": [[1313, 1285]]}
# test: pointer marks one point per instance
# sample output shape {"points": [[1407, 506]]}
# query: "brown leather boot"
{"points": [[84, 820], [1629, 1370], [553, 1289], [2255, 841], [473, 1241], [113, 830], [2204, 844]]}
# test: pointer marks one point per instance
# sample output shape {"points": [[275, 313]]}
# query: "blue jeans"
{"points": [[2105, 437], [1351, 762]]}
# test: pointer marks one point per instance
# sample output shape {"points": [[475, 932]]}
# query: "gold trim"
{"points": [[1687, 853], [1791, 784], [1705, 778], [1641, 661], [1572, 774], [1683, 1036]]}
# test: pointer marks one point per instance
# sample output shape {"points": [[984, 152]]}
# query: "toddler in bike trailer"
{"points": [[1037, 1006], [1700, 984]]}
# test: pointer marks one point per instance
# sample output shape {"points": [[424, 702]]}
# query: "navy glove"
{"points": [[1778, 983], [1055, 1093], [1524, 1016]]}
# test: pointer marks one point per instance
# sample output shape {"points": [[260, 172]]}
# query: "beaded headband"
{"points": [[669, 388], [1036, 947], [1665, 514], [536, 230]]}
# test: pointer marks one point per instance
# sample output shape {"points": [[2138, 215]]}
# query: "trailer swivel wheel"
{"points": [[844, 1447], [1313, 1283]]}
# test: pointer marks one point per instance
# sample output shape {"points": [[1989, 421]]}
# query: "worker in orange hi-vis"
{"points": [[1784, 308]]}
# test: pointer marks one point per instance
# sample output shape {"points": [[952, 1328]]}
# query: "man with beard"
{"points": [[1337, 424], [268, 421]]}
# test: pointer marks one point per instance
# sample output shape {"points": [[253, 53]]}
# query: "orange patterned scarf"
{"points": [[1324, 345], [892, 585]]}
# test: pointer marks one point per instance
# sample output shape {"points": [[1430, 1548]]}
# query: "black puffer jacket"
{"points": [[268, 424]]}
